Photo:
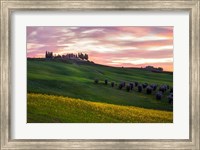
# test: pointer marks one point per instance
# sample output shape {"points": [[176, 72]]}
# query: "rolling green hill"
{"points": [[77, 81], [57, 109]]}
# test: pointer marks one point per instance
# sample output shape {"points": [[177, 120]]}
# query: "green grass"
{"points": [[57, 109], [76, 80]]}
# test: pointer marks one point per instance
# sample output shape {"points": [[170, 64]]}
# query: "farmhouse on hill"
{"points": [[153, 69]]}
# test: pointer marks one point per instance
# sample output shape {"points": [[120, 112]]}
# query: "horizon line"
{"points": [[134, 67]]}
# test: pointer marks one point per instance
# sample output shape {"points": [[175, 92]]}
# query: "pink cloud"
{"points": [[103, 44], [133, 54]]}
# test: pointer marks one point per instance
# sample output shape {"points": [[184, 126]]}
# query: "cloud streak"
{"points": [[115, 46]]}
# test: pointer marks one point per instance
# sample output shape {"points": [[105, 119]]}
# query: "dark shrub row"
{"points": [[144, 86]]}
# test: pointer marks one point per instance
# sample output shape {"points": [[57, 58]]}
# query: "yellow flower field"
{"points": [[49, 109]]}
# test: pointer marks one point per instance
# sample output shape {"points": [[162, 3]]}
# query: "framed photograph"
{"points": [[104, 74], [100, 74]]}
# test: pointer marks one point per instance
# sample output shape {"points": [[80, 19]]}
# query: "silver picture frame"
{"points": [[10, 6]]}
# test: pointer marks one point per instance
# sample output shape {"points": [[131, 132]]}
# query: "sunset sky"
{"points": [[113, 46]]}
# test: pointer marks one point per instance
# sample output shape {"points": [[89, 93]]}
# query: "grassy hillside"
{"points": [[49, 108], [77, 81]]}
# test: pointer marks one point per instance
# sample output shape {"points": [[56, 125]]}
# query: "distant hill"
{"points": [[64, 91], [76, 61], [76, 80]]}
